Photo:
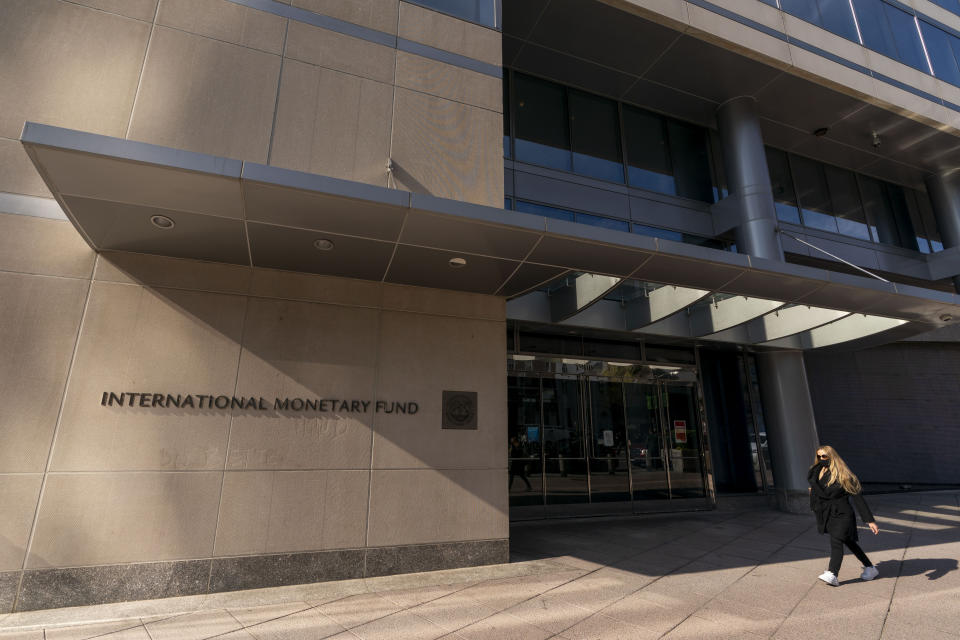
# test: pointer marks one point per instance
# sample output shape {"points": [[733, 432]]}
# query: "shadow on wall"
{"points": [[294, 348]]}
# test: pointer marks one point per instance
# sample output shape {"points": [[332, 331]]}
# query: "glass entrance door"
{"points": [[594, 443], [609, 471]]}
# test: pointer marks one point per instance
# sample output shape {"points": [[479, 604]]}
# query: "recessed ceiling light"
{"points": [[456, 263], [323, 244], [162, 222]]}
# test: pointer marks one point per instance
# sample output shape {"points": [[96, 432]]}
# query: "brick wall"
{"points": [[893, 412]]}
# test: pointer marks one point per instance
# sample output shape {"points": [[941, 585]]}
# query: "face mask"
{"points": [[825, 463]]}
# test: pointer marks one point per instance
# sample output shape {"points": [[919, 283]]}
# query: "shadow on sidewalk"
{"points": [[933, 568]]}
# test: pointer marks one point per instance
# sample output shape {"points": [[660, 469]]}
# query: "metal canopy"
{"points": [[245, 213]]}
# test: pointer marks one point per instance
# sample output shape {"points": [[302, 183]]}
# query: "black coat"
{"points": [[831, 505]]}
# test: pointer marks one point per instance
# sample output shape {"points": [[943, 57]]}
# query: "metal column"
{"points": [[791, 427], [748, 178], [788, 411]]}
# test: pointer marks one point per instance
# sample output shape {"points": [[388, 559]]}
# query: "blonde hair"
{"points": [[839, 471]]}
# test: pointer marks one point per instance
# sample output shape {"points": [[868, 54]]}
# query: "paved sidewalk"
{"points": [[720, 574]]}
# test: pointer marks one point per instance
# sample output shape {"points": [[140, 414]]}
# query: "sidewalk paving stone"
{"points": [[723, 574]]}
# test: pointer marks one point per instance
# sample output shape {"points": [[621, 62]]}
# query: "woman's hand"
{"points": [[873, 527]]}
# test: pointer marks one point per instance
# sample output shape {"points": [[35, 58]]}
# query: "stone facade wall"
{"points": [[104, 503]]}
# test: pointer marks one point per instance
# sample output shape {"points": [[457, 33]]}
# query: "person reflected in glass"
{"points": [[832, 486], [518, 467]]}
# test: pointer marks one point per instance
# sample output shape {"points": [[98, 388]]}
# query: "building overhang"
{"points": [[250, 214]]}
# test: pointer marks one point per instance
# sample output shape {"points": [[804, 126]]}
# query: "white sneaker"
{"points": [[829, 578], [869, 573]]}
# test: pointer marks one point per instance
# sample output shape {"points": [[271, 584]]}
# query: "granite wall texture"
{"points": [[149, 501]]}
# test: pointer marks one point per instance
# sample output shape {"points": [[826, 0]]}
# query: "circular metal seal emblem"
{"points": [[459, 410]]}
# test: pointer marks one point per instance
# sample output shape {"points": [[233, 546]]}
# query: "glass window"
{"points": [[506, 114], [845, 197], [943, 49], [931, 230], [540, 114], [832, 15], [677, 236], [916, 220], [887, 212], [691, 161], [655, 232], [876, 204], [543, 210], [648, 159], [595, 133], [507, 204], [814, 194], [600, 221], [784, 196], [477, 11], [891, 31]]}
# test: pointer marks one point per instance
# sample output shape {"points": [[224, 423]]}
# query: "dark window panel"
{"points": [[677, 236], [477, 11], [932, 231], [901, 216], [691, 161], [655, 232], [942, 46], [814, 194], [874, 27], [803, 9], [647, 152], [543, 210], [916, 220], [832, 15], [784, 196], [836, 17], [595, 133], [891, 31], [600, 221], [506, 114], [845, 197], [542, 136], [879, 211], [907, 37]]}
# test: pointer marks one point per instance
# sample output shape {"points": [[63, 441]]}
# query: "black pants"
{"points": [[521, 472], [836, 553]]}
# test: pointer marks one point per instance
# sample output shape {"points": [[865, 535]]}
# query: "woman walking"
{"points": [[831, 484]]}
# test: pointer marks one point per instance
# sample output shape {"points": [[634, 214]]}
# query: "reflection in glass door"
{"points": [[609, 472], [603, 443], [681, 427], [565, 471], [647, 450]]}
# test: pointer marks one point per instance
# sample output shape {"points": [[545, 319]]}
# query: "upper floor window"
{"points": [[562, 128], [832, 15], [483, 12], [839, 201]]}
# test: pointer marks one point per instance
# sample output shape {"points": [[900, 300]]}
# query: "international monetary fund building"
{"points": [[323, 289]]}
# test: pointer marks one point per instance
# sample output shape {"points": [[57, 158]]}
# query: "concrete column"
{"points": [[748, 178], [944, 190], [791, 427]]}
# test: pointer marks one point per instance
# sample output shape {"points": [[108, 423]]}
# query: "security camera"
{"points": [[876, 141]]}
